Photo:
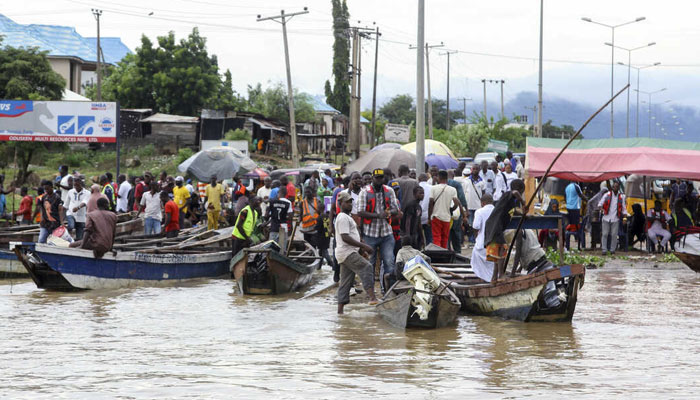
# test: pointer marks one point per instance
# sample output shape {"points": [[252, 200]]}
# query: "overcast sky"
{"points": [[577, 63]]}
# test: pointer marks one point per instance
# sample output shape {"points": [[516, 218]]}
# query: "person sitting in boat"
{"points": [[350, 252], [550, 235], [657, 225], [100, 230], [531, 256], [245, 225]]}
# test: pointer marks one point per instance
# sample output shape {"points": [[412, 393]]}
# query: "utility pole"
{"points": [[283, 18], [464, 104], [430, 97], [534, 115], [485, 115], [447, 53], [373, 140], [97, 13], [503, 114], [420, 106], [354, 123]]}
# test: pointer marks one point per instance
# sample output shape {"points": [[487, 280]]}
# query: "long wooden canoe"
{"points": [[397, 310]]}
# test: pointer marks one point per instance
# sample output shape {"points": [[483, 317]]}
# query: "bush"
{"points": [[183, 155], [240, 134], [145, 151]]}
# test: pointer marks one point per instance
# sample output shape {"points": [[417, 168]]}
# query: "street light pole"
{"points": [[612, 64], [629, 69], [636, 127], [539, 84], [649, 104]]}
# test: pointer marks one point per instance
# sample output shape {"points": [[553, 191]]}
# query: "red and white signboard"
{"points": [[58, 121]]}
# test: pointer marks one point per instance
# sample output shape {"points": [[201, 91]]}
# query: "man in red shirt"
{"points": [[172, 216], [140, 188], [291, 190], [25, 207]]}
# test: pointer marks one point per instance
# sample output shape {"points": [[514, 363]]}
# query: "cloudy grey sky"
{"points": [[497, 39]]}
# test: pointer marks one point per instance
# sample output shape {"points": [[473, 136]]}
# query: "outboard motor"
{"points": [[424, 279]]}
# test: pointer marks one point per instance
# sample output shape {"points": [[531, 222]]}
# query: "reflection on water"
{"points": [[634, 334]]}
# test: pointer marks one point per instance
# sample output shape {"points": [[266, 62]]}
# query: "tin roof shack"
{"points": [[130, 125], [170, 133], [215, 124]]}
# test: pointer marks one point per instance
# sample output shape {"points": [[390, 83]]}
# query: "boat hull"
{"points": [[10, 267], [691, 260], [397, 310], [520, 298], [56, 268], [281, 274]]}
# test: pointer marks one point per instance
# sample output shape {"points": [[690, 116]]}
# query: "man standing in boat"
{"points": [[150, 203], [348, 253], [375, 205], [213, 195], [52, 214], [171, 225], [245, 225], [482, 267]]}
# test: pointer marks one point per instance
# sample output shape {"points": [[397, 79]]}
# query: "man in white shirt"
{"points": [[65, 182], [264, 194], [123, 194], [474, 190], [613, 207], [75, 206], [150, 203], [658, 219], [442, 196], [488, 177], [481, 267], [425, 205], [348, 252], [503, 180]]}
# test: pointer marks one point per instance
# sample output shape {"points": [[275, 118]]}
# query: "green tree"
{"points": [[381, 123], [25, 74], [339, 95], [273, 103], [440, 114], [174, 77], [399, 110], [240, 134]]}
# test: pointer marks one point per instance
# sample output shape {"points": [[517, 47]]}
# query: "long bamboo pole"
{"points": [[544, 177]]}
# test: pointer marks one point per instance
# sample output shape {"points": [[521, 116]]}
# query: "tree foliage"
{"points": [[25, 74], [172, 77], [273, 103], [381, 123], [399, 110], [339, 95]]}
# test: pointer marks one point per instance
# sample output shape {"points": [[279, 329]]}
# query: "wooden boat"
{"points": [[66, 269], [262, 269], [8, 235], [687, 248], [519, 297], [397, 310], [10, 267]]}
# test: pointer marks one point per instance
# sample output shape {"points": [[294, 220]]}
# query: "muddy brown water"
{"points": [[634, 335]]}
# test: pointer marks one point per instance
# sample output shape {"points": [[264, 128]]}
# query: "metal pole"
{"points": [[420, 107], [447, 123], [485, 115], [649, 110], [358, 108], [118, 131], [612, 81], [97, 13], [430, 96], [629, 70], [503, 114], [539, 84], [374, 139], [639, 70]]}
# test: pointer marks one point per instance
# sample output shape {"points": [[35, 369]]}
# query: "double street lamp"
{"points": [[629, 63], [612, 62], [638, 71]]}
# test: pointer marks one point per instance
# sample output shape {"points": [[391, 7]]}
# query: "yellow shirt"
{"points": [[213, 195], [181, 195]]}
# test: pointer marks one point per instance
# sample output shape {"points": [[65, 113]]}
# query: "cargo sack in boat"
{"points": [[60, 237]]}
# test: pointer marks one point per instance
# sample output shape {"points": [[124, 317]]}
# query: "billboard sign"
{"points": [[397, 133], [58, 121]]}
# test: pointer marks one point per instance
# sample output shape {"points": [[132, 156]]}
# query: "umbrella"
{"points": [[441, 161], [224, 162], [431, 147], [386, 146], [388, 159]]}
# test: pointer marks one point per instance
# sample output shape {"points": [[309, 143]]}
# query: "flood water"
{"points": [[634, 335]]}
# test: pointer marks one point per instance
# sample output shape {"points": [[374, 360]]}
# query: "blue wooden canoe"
{"points": [[60, 268]]}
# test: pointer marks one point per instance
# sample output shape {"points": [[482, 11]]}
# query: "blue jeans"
{"points": [[78, 226], [43, 234], [386, 248], [151, 226], [428, 233]]}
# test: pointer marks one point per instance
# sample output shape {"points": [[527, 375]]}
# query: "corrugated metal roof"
{"points": [[321, 106], [171, 119], [59, 41], [266, 125]]}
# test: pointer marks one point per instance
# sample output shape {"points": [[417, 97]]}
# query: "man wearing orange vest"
{"points": [[614, 208], [375, 205], [312, 221]]}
